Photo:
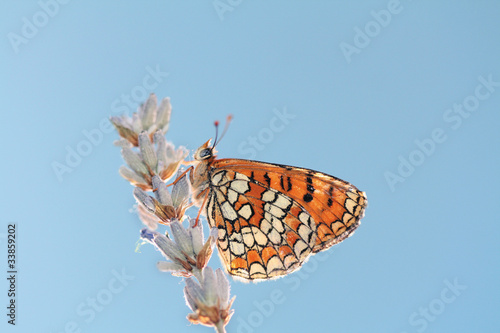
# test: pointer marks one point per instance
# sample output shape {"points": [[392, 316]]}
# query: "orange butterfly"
{"points": [[271, 217]]}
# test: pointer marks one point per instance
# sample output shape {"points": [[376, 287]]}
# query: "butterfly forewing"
{"points": [[272, 217]]}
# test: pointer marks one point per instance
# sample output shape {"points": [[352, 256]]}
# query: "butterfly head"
{"points": [[205, 152]]}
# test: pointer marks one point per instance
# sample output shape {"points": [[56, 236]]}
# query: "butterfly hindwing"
{"points": [[272, 217], [259, 237]]}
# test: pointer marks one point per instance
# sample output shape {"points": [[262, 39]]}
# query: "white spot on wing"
{"points": [[277, 224], [275, 211], [223, 239], [304, 218], [260, 237], [217, 178], [257, 269], [223, 244], [274, 264], [282, 202], [265, 226], [350, 204], [248, 238], [240, 186], [352, 195], [232, 196], [268, 196], [236, 236], [222, 234], [290, 261], [236, 244], [228, 211], [241, 176], [274, 237], [300, 246], [304, 232], [245, 211], [237, 248]]}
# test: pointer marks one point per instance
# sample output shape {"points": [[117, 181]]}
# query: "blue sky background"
{"points": [[426, 256]]}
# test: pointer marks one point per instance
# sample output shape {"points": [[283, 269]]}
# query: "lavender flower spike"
{"points": [[209, 301]]}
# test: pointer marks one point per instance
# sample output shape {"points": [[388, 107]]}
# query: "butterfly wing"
{"points": [[272, 217]]}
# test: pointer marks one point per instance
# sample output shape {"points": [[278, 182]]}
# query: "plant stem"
{"points": [[219, 327]]}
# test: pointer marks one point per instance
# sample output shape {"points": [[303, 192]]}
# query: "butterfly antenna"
{"points": [[228, 121], [216, 124]]}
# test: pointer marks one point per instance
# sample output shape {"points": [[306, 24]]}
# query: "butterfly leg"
{"points": [[204, 192], [188, 162], [182, 175]]}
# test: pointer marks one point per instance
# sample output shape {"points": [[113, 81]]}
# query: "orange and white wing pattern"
{"points": [[271, 217]]}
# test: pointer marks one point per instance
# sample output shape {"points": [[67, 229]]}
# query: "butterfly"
{"points": [[271, 217]]}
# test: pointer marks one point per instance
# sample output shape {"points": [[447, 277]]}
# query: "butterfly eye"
{"points": [[206, 153]]}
